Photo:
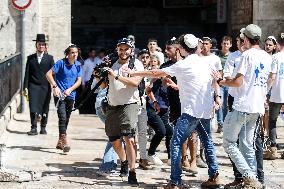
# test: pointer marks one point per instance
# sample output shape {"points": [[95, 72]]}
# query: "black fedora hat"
{"points": [[40, 38]]}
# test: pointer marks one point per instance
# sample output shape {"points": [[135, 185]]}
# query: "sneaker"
{"points": [[33, 131], [270, 153], [200, 163], [219, 130], [132, 180], [185, 165], [144, 164], [155, 160], [213, 182], [238, 183], [171, 186], [252, 183], [124, 169]]}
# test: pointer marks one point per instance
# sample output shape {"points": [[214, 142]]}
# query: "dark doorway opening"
{"points": [[100, 23]]}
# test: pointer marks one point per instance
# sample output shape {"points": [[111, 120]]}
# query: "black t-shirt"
{"points": [[173, 96]]}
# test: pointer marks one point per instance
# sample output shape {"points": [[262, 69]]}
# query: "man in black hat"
{"points": [[36, 85]]}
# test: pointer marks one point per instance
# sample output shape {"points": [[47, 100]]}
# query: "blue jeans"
{"points": [[241, 125], [109, 161], [222, 112], [186, 124]]}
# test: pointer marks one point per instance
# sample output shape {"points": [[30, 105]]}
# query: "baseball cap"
{"points": [[191, 41], [271, 37], [126, 42], [252, 31]]}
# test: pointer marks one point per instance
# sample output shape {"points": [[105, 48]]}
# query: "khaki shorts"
{"points": [[121, 120]]}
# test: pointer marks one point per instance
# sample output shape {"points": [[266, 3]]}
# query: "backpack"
{"points": [[141, 86]]}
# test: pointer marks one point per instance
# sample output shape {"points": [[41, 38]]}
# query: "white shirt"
{"points": [[255, 67], [277, 67], [230, 69], [214, 61], [88, 69], [39, 57], [194, 81], [119, 93]]}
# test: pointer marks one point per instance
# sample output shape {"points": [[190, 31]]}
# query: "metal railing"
{"points": [[10, 79]]}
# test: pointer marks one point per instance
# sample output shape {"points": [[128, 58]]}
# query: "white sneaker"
{"points": [[155, 160]]}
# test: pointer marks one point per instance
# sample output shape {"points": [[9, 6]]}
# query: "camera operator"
{"points": [[121, 115]]}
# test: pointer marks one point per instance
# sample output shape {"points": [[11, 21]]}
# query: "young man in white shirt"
{"points": [[196, 96], [251, 78], [153, 49], [276, 81]]}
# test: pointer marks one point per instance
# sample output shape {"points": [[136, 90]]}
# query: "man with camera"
{"points": [[123, 99]]}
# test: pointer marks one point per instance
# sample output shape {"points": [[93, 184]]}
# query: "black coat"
{"points": [[36, 83]]}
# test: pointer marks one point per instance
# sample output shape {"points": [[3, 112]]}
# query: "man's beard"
{"points": [[125, 58]]}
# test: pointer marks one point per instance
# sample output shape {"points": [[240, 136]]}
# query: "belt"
{"points": [[120, 106]]}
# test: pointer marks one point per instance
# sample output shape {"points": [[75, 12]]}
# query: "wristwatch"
{"points": [[54, 86], [116, 77]]}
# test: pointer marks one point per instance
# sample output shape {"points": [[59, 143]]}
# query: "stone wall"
{"points": [[269, 15], [52, 17], [240, 15], [55, 21]]}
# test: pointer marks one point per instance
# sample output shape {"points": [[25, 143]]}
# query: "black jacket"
{"points": [[36, 83]]}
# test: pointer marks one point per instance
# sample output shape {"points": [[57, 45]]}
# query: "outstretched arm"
{"points": [[156, 73]]}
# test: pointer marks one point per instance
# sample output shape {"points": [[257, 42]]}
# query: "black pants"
{"points": [[34, 117], [258, 154], [64, 110], [274, 109], [230, 102], [160, 124]]}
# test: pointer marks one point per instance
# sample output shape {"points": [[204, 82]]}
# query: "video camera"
{"points": [[101, 69]]}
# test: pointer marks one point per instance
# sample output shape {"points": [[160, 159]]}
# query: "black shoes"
{"points": [[132, 180], [43, 131], [33, 131], [124, 169]]}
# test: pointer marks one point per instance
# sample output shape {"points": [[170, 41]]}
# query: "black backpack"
{"points": [[141, 86]]}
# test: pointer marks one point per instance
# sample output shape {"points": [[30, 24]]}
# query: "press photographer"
{"points": [[123, 98]]}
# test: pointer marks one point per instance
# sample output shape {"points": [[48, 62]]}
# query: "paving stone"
{"points": [[77, 169]]}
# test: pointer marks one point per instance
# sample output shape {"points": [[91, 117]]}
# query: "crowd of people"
{"points": [[175, 95]]}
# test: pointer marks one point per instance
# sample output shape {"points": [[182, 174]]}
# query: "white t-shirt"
{"points": [[214, 61], [194, 81], [119, 93], [230, 70], [277, 67], [88, 69], [255, 67]]}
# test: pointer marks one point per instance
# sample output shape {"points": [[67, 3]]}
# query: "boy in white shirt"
{"points": [[276, 81], [251, 78]]}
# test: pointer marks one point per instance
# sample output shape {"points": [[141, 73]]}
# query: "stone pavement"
{"points": [[77, 169]]}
